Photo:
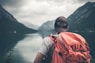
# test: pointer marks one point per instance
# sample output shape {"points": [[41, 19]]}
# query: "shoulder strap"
{"points": [[53, 38]]}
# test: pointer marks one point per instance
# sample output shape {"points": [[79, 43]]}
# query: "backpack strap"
{"points": [[54, 39]]}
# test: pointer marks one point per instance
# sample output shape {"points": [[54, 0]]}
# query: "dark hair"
{"points": [[61, 22]]}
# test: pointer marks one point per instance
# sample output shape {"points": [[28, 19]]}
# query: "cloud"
{"points": [[40, 11]]}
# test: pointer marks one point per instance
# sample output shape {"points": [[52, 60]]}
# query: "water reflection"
{"points": [[7, 42], [26, 48]]}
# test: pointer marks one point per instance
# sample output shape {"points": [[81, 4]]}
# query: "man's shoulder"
{"points": [[47, 40]]}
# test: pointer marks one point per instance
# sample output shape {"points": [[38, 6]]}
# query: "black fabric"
{"points": [[48, 57]]}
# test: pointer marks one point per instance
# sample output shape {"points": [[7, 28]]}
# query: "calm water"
{"points": [[26, 49]]}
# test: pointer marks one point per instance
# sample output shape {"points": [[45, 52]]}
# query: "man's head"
{"points": [[61, 24]]}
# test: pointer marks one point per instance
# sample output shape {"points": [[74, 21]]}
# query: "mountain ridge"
{"points": [[84, 14], [8, 23]]}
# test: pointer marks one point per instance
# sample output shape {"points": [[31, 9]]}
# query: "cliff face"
{"points": [[82, 21], [11, 31]]}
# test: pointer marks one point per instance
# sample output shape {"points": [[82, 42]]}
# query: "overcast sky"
{"points": [[40, 11]]}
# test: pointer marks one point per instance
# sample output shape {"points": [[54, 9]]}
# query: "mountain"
{"points": [[30, 25], [82, 21], [8, 24], [83, 18], [47, 28], [11, 31]]}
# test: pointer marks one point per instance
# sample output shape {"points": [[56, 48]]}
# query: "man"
{"points": [[60, 25]]}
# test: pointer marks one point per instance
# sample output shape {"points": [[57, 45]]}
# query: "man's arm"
{"points": [[43, 50], [39, 58]]}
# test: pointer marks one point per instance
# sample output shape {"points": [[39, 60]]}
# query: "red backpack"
{"points": [[70, 48]]}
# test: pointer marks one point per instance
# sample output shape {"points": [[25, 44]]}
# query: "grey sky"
{"points": [[40, 11]]}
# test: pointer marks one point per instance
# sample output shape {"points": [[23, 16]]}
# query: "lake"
{"points": [[26, 49]]}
